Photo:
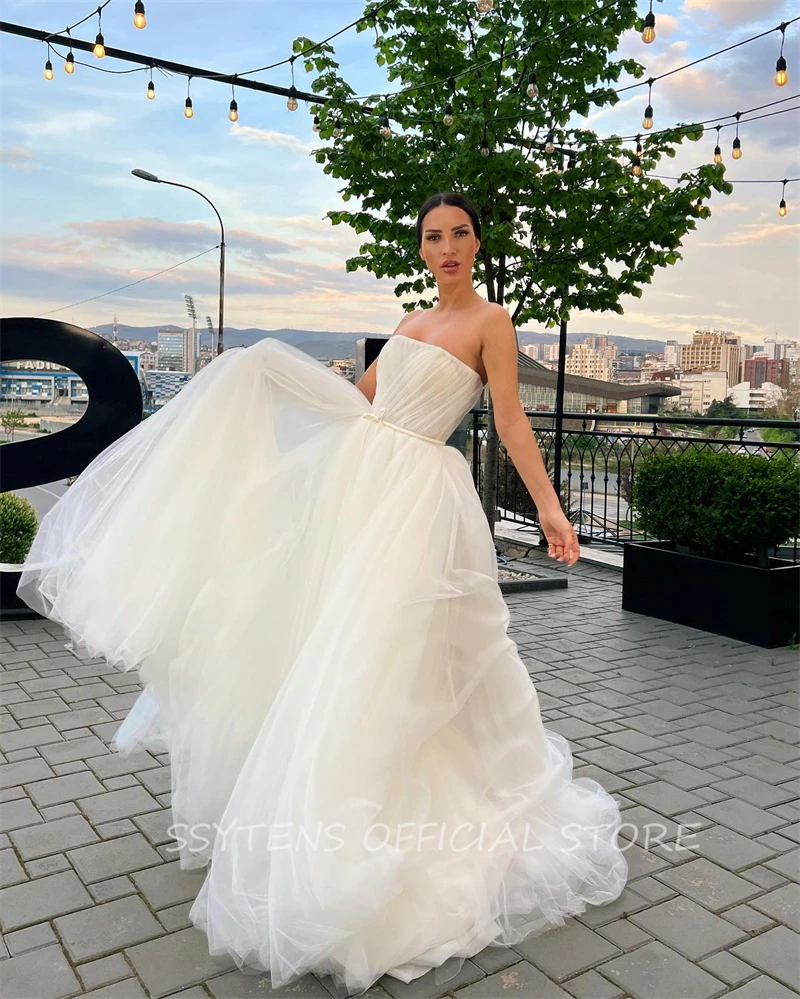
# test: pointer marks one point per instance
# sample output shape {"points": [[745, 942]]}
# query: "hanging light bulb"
{"points": [[717, 150], [737, 142], [484, 6], [188, 110], [139, 20], [69, 64], [484, 147], [48, 66], [448, 114], [315, 126], [233, 112], [386, 128], [99, 46], [698, 206], [649, 32], [781, 76], [291, 102], [337, 129], [151, 91], [782, 205], [549, 146], [637, 167], [647, 121], [532, 90]]}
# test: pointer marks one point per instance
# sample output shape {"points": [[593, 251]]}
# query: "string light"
{"points": [[151, 87], [69, 63], [315, 126], [649, 32], [717, 149], [99, 42], [337, 128], [48, 66], [188, 110], [484, 147], [532, 90], [782, 205], [291, 102], [139, 20], [737, 142], [448, 114], [484, 6], [386, 128], [233, 110], [781, 76], [647, 122], [549, 146]]}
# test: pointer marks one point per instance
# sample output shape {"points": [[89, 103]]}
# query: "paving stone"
{"points": [[756, 792], [519, 980], [53, 837], [775, 953], [13, 774], [43, 706], [596, 916], [83, 748], [157, 781], [493, 959], [155, 826], [76, 766], [47, 865], [35, 901], [39, 974], [176, 917], [729, 968], [102, 861], [681, 774], [26, 738], [169, 884], [762, 988], [747, 918], [763, 877], [30, 938], [773, 749], [729, 849], [114, 765], [782, 905], [129, 989], [16, 814], [566, 950], [110, 830], [616, 760], [696, 755], [107, 928], [687, 928], [60, 811], [236, 985], [788, 864], [708, 884], [11, 871], [113, 805], [592, 986], [647, 827], [57, 790], [175, 961], [624, 934], [656, 972], [81, 719], [107, 891], [104, 972], [740, 816], [664, 798]]}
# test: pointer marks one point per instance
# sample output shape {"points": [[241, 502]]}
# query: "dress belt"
{"points": [[378, 418]]}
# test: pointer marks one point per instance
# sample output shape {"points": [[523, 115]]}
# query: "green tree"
{"points": [[554, 240], [12, 420]]}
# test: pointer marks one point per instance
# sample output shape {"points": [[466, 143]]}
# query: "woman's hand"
{"points": [[563, 541]]}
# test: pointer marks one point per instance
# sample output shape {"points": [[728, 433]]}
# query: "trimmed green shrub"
{"points": [[716, 504], [18, 527]]}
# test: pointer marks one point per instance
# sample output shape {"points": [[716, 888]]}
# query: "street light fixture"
{"points": [[146, 175]]}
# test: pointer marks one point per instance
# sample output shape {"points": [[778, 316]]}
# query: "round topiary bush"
{"points": [[18, 527], [716, 504]]}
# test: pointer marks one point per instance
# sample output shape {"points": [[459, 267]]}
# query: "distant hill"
{"points": [[324, 344]]}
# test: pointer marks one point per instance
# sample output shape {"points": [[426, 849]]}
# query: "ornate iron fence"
{"points": [[599, 463]]}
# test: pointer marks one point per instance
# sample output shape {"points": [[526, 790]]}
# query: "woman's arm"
{"points": [[499, 355]]}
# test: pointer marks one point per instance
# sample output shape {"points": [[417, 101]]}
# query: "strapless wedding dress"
{"points": [[307, 586]]}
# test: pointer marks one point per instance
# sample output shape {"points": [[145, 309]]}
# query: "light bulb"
{"points": [[69, 65], [717, 154], [139, 20], [781, 76], [532, 89], [291, 103], [484, 147], [233, 114], [648, 117], [698, 206], [549, 146], [485, 5], [737, 148], [151, 91], [448, 115], [386, 128], [99, 47], [782, 209], [188, 110], [48, 70], [649, 33], [315, 126], [337, 131], [637, 167]]}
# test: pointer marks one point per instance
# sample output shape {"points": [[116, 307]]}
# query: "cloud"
{"points": [[278, 140], [18, 158], [63, 125], [756, 232], [733, 12]]}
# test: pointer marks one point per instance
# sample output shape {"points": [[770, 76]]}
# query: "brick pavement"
{"points": [[695, 735]]}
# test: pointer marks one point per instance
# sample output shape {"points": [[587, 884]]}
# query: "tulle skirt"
{"points": [[356, 748]]}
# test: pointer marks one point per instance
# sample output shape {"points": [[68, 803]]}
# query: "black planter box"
{"points": [[11, 607], [737, 599]]}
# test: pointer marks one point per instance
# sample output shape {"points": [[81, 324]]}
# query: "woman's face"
{"points": [[448, 243]]}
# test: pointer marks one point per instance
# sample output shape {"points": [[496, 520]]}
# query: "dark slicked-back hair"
{"points": [[448, 198]]}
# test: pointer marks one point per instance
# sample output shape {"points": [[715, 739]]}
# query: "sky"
{"points": [[75, 223]]}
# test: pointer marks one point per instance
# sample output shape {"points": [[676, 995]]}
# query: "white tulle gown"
{"points": [[307, 586]]}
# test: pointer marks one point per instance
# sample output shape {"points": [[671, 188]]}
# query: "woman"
{"points": [[304, 578]]}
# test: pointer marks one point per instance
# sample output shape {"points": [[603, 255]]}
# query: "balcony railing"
{"points": [[599, 465]]}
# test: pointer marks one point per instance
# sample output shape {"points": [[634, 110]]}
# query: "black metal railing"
{"points": [[599, 464]]}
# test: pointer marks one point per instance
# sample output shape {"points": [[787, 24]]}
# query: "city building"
{"points": [[589, 362], [37, 384], [698, 389], [754, 399], [713, 350], [760, 369]]}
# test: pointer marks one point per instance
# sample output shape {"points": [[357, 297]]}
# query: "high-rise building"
{"points": [[588, 362], [178, 350], [760, 369], [672, 354], [713, 350]]}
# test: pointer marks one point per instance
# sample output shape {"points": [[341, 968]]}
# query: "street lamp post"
{"points": [[146, 175]]}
